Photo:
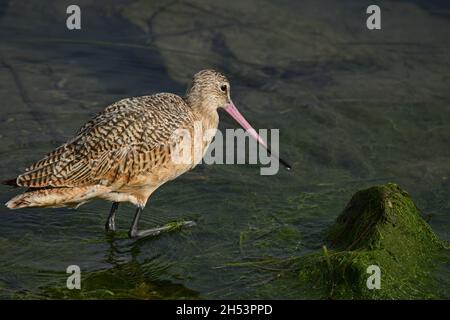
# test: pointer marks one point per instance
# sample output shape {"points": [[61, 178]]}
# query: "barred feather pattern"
{"points": [[127, 139]]}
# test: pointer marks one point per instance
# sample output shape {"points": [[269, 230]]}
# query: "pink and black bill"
{"points": [[234, 112]]}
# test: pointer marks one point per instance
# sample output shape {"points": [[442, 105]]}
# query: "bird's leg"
{"points": [[135, 233], [110, 224]]}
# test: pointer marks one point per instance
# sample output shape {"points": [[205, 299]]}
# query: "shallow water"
{"points": [[354, 108]]}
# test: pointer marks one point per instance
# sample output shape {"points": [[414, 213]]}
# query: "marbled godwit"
{"points": [[124, 153]]}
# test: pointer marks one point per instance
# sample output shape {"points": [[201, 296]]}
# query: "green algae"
{"points": [[130, 280], [380, 226], [354, 108], [382, 216]]}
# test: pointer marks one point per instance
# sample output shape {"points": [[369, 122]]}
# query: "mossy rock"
{"points": [[380, 226], [383, 217]]}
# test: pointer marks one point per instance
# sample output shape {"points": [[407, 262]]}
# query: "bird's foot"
{"points": [[172, 226]]}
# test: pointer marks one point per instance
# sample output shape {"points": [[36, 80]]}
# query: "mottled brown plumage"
{"points": [[127, 139]]}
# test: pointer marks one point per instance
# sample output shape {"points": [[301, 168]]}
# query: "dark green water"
{"points": [[354, 108]]}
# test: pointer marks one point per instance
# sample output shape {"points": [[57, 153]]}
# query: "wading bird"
{"points": [[124, 153]]}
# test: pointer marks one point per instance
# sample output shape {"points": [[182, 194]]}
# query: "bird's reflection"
{"points": [[131, 277]]}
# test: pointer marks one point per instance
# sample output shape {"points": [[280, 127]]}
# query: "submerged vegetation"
{"points": [[354, 108], [382, 227], [131, 280]]}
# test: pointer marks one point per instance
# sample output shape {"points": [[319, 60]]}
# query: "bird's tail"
{"points": [[55, 197], [10, 182]]}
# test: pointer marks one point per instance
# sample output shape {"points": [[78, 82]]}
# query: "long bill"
{"points": [[234, 112]]}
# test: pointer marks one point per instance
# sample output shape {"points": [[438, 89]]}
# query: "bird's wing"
{"points": [[128, 137]]}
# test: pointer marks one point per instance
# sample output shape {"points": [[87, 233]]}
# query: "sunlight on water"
{"points": [[353, 111]]}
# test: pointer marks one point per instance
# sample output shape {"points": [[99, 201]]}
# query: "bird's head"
{"points": [[209, 91]]}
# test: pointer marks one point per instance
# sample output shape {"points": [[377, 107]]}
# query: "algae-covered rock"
{"points": [[382, 227], [383, 217]]}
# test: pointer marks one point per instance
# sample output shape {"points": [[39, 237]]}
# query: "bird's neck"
{"points": [[204, 130], [210, 120], [208, 116]]}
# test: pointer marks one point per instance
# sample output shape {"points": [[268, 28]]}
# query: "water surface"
{"points": [[354, 108]]}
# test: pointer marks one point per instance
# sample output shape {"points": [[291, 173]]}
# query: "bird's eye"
{"points": [[223, 88]]}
